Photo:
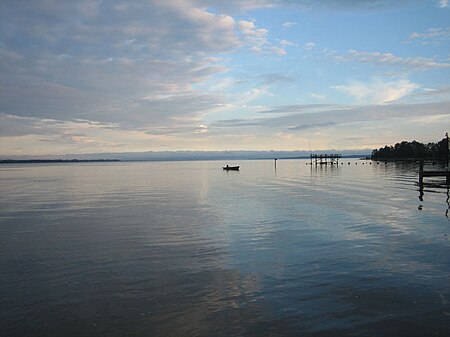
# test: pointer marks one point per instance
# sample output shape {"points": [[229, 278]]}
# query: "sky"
{"points": [[208, 75]]}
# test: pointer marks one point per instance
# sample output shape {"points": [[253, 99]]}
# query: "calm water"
{"points": [[185, 249]]}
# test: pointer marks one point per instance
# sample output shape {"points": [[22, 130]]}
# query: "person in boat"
{"points": [[227, 166]]}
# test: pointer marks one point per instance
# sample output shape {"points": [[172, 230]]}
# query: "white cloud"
{"points": [[433, 94], [350, 5], [378, 91], [286, 43], [289, 24], [135, 64], [277, 50], [302, 117], [443, 3], [389, 59], [235, 5], [256, 39], [432, 36], [318, 97], [310, 46], [431, 33], [250, 95]]}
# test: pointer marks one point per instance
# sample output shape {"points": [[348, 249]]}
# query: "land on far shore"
{"points": [[180, 156], [45, 161]]}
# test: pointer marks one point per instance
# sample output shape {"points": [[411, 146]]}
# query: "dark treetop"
{"points": [[412, 150]]}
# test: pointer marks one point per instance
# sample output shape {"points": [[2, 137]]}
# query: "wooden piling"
{"points": [[421, 173]]}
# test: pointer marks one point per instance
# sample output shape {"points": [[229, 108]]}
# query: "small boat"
{"points": [[232, 168]]}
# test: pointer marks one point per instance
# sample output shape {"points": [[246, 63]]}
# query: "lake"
{"points": [[187, 249]]}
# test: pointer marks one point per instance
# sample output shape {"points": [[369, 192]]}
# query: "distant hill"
{"points": [[189, 155], [44, 161]]}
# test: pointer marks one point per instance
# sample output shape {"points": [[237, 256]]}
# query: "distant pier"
{"points": [[325, 159]]}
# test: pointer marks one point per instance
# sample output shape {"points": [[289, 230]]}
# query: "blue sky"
{"points": [[122, 76]]}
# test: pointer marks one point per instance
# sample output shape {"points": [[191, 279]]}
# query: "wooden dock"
{"points": [[325, 159], [433, 173]]}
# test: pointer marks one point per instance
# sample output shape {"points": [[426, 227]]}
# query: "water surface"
{"points": [[186, 249]]}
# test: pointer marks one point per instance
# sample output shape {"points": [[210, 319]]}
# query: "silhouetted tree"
{"points": [[412, 150]]}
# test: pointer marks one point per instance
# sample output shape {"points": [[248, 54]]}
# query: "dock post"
{"points": [[421, 173], [448, 149]]}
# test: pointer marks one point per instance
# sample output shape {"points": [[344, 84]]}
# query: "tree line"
{"points": [[413, 150]]}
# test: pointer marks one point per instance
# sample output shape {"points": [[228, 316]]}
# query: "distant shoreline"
{"points": [[185, 155], [49, 161], [412, 159], [169, 159]]}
